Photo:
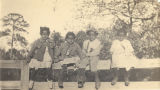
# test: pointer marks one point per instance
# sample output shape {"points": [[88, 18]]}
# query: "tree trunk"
{"points": [[131, 24], [12, 43]]}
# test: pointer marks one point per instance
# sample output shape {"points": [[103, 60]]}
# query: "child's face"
{"points": [[70, 39], [44, 35], [92, 36], [121, 36]]}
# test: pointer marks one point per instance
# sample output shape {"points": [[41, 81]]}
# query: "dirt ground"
{"points": [[104, 86]]}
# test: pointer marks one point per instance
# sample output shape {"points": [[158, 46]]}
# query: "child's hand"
{"points": [[61, 58], [26, 62], [56, 60], [88, 54], [69, 56], [84, 51], [91, 50]]}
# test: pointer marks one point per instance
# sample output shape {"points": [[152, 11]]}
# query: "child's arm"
{"points": [[129, 49], [113, 46], [32, 51], [84, 48], [94, 52], [51, 50], [59, 54], [56, 54], [80, 53]]}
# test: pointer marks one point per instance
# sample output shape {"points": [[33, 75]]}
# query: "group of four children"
{"points": [[45, 52]]}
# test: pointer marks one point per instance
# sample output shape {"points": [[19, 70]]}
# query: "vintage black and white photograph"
{"points": [[79, 44]]}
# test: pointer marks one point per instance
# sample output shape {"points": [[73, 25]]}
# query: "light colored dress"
{"points": [[122, 54], [92, 48], [46, 63]]}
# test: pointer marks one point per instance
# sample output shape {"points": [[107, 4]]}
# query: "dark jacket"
{"points": [[73, 50], [38, 49]]}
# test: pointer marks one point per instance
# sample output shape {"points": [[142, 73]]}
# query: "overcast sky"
{"points": [[36, 12], [41, 13]]}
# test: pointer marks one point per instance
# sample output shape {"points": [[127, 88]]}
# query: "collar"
{"points": [[93, 40], [69, 44]]}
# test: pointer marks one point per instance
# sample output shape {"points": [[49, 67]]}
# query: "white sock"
{"points": [[31, 83]]}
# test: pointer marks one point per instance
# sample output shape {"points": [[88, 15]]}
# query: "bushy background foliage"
{"points": [[146, 43]]}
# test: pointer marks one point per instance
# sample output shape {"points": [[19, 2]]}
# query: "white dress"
{"points": [[46, 63], [122, 54]]}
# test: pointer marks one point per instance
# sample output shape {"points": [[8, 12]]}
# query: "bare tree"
{"points": [[133, 10]]}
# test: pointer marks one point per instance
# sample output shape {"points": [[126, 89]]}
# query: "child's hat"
{"points": [[92, 30], [44, 29]]}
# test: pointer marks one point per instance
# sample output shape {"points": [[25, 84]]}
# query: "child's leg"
{"points": [[97, 80], [34, 64], [93, 66], [33, 78], [81, 77], [61, 76], [48, 73], [126, 76], [46, 66], [115, 75], [81, 72], [31, 73]]}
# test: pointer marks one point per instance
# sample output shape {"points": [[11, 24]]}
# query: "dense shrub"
{"points": [[17, 54], [146, 44], [80, 37]]}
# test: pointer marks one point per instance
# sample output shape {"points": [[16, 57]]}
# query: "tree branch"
{"points": [[124, 14]]}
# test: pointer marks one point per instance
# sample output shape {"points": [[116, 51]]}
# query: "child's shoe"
{"points": [[50, 84], [80, 84], [60, 85], [31, 84], [97, 85], [114, 81], [127, 83]]}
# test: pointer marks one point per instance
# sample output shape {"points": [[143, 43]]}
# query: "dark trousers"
{"points": [[116, 72], [81, 75], [62, 73], [35, 73]]}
